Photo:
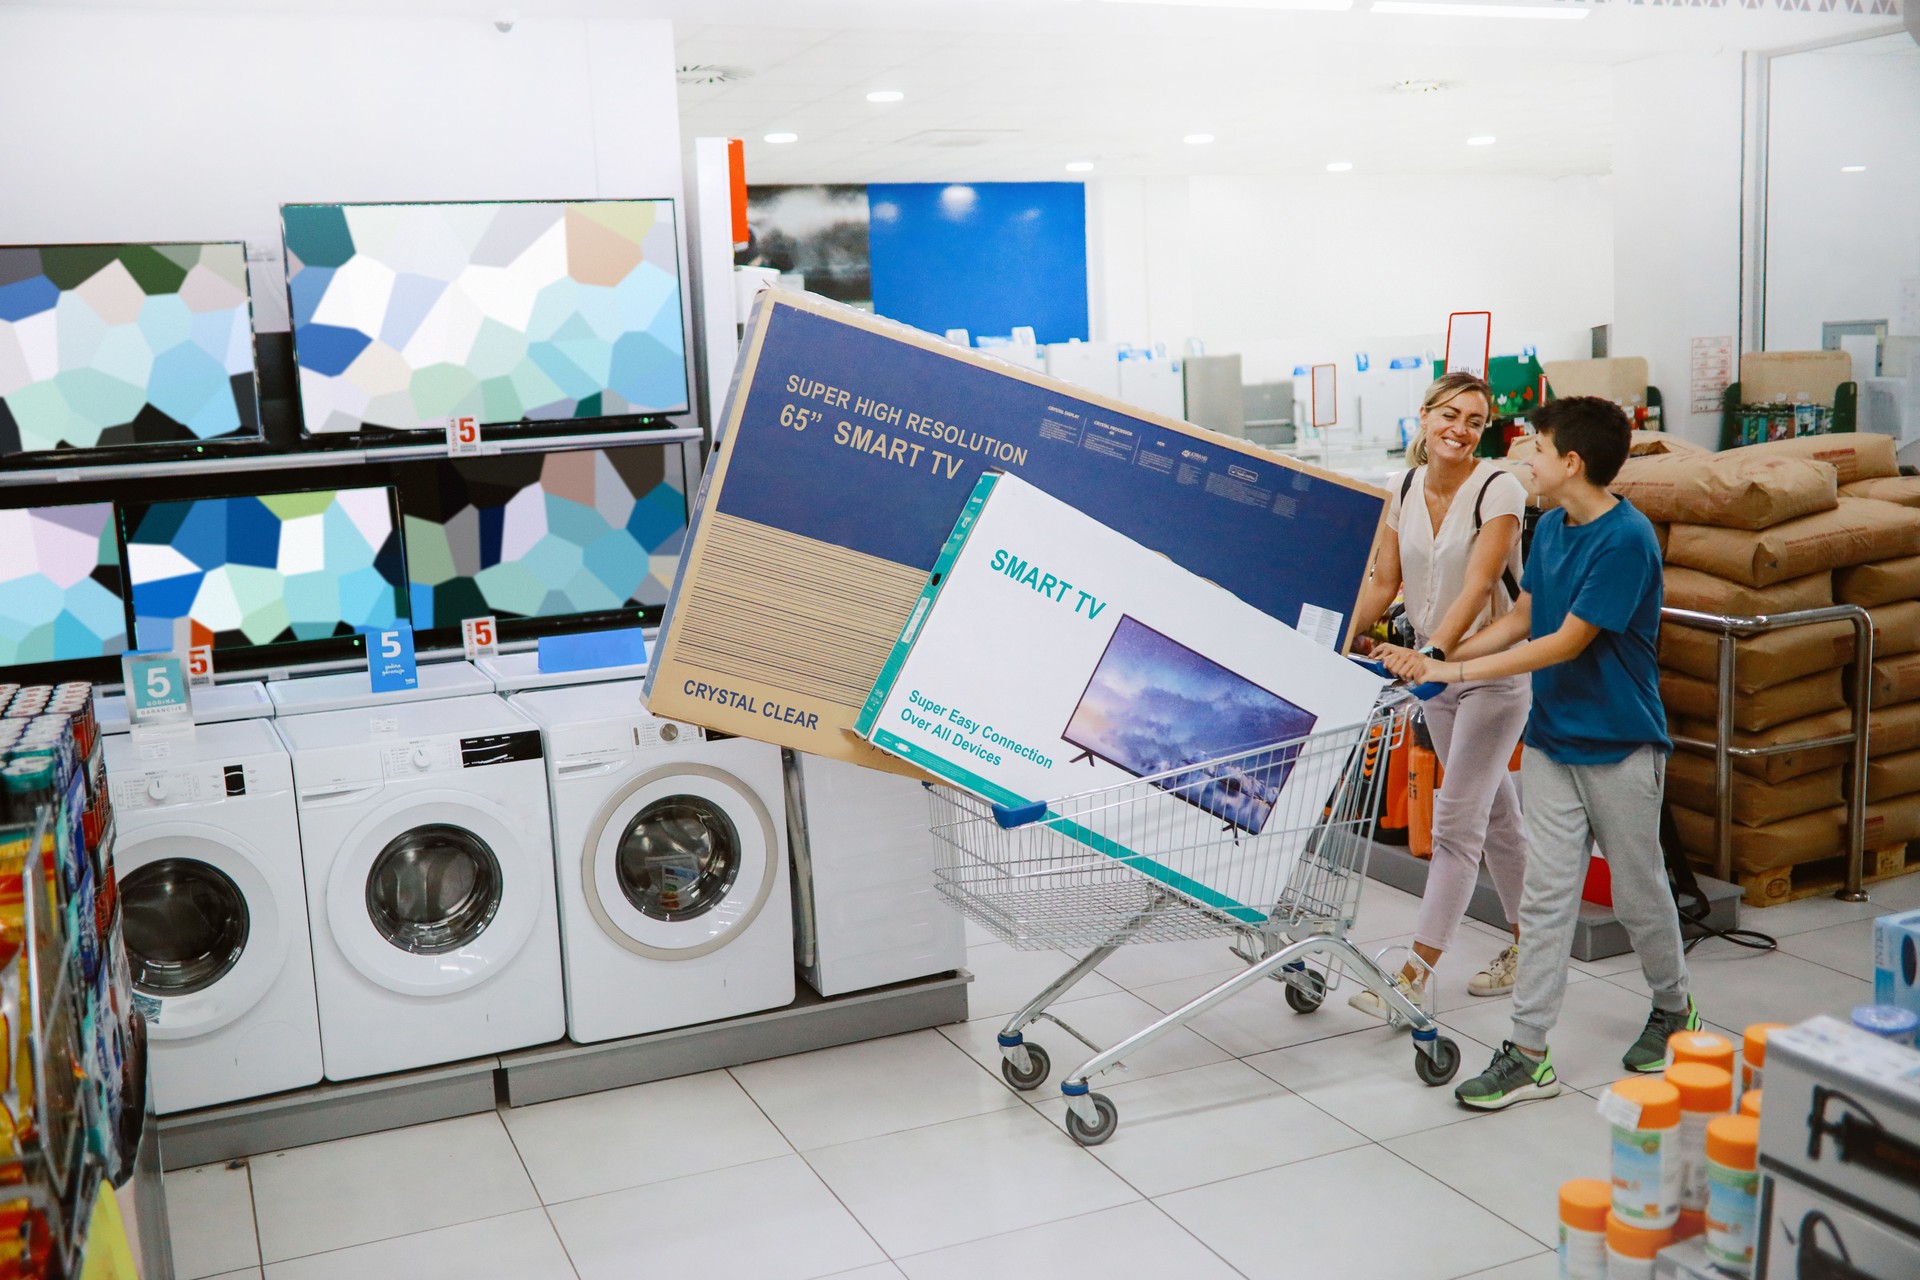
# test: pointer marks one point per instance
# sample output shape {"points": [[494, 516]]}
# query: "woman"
{"points": [[1453, 543]]}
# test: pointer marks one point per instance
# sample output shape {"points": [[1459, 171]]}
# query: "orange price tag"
{"points": [[200, 664], [481, 637], [463, 435]]}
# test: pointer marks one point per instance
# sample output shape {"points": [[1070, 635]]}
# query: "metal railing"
{"points": [[1731, 630]]}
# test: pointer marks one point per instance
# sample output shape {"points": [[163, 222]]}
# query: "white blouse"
{"points": [[1433, 564]]}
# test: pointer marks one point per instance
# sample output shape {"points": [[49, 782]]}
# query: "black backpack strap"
{"points": [[1406, 486], [1506, 573]]}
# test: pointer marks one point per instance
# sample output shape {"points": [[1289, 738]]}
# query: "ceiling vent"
{"points": [[711, 73], [1417, 88], [957, 137]]}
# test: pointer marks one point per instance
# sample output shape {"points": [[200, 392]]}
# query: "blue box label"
{"points": [[390, 662], [592, 650]]}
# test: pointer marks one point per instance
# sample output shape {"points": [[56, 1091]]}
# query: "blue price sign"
{"points": [[156, 690], [390, 662]]}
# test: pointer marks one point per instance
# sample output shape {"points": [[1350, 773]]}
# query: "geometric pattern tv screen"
{"points": [[124, 344], [543, 536], [60, 585], [238, 572], [407, 314]]}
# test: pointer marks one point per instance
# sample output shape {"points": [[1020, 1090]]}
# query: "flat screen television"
{"points": [[274, 569], [524, 314], [585, 534], [107, 348], [62, 593], [1153, 706]]}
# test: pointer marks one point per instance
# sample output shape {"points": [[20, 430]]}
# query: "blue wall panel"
{"points": [[983, 257]]}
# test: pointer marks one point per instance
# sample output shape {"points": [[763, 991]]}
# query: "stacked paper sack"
{"points": [[1767, 529]]}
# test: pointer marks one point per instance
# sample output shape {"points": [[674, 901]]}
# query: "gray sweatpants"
{"points": [[1477, 811], [1569, 809]]}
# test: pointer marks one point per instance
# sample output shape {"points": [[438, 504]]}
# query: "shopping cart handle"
{"points": [[1019, 815], [1420, 691]]}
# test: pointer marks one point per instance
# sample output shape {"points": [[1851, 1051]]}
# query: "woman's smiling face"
{"points": [[1453, 427]]}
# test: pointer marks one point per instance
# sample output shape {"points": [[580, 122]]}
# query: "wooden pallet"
{"points": [[1778, 885]]}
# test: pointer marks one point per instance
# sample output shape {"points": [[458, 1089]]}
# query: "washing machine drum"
{"points": [[434, 889], [185, 924], [435, 892], [679, 861], [205, 936]]}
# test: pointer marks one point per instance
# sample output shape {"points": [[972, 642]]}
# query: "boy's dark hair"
{"points": [[1595, 429]]}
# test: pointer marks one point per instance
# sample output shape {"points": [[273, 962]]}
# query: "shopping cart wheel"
{"points": [[1310, 997], [1439, 1068], [1109, 1120], [1038, 1065]]}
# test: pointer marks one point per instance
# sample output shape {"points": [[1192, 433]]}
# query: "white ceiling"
{"points": [[1028, 87]]}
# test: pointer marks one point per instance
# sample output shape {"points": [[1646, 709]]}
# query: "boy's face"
{"points": [[1552, 470]]}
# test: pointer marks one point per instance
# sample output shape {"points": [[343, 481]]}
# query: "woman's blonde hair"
{"points": [[1445, 388]]}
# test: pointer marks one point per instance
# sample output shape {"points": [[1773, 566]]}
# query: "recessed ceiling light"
{"points": [[1079, 166], [778, 139], [1481, 140], [1853, 168], [1339, 166], [1197, 139], [1446, 9], [885, 95]]}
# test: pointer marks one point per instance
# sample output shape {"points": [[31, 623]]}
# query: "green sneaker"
{"points": [[1649, 1052], [1511, 1077]]}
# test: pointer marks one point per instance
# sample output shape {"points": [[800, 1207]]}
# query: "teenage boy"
{"points": [[1596, 759]]}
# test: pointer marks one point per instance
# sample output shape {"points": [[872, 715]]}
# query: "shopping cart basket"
{"points": [[1278, 867]]}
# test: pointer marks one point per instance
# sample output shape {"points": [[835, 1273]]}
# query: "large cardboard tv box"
{"points": [[850, 445]]}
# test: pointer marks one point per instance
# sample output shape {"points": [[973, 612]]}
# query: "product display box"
{"points": [[1049, 656], [1896, 960], [1843, 1114], [849, 445], [1809, 1236]]}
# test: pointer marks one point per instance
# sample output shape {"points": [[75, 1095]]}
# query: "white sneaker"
{"points": [[1497, 978], [1369, 1003]]}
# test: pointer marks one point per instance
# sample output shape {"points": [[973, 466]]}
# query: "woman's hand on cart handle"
{"points": [[1426, 676]]}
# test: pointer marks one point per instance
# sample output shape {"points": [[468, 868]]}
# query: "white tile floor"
{"points": [[1259, 1143]]}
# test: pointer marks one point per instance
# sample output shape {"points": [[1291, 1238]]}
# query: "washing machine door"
{"points": [[679, 861], [205, 936], [434, 892]]}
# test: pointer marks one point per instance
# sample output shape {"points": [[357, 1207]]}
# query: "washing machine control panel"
{"points": [[416, 756], [194, 784]]}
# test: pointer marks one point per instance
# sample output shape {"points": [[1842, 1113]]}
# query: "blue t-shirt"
{"points": [[1604, 705]]}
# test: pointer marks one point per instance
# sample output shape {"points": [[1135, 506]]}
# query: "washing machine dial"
{"points": [[422, 759], [156, 789]]}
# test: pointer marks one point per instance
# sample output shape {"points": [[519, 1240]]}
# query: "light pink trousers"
{"points": [[1477, 810]]}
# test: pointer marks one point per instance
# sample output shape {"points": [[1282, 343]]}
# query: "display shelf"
{"points": [[1597, 933], [810, 1022], [311, 458], [561, 1070], [326, 1112]]}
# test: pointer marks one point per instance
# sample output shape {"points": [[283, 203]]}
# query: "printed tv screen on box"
{"points": [[849, 447], [1049, 657]]}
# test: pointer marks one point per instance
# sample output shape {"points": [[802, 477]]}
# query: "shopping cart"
{"points": [[1112, 867]]}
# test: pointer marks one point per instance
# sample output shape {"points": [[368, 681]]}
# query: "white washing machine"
{"points": [[214, 909], [866, 909], [429, 859], [674, 907]]}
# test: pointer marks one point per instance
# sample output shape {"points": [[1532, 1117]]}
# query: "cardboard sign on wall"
{"points": [[851, 444]]}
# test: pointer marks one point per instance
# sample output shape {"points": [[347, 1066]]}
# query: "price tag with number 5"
{"points": [[481, 637], [200, 665], [390, 663], [463, 436], [157, 695]]}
